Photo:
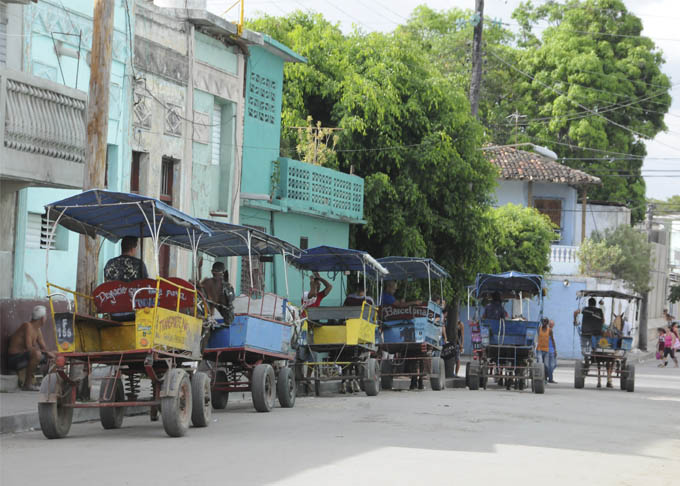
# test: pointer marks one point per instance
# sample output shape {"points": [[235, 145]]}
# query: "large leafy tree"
{"points": [[592, 80], [406, 129], [522, 238]]}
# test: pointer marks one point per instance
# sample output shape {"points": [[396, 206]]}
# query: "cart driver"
{"points": [[494, 309], [219, 292], [127, 267]]}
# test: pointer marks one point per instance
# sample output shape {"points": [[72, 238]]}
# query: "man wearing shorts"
{"points": [[26, 346]]}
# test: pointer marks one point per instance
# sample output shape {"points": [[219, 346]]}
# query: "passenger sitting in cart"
{"points": [[388, 297], [357, 298], [219, 292], [494, 309], [126, 267], [315, 295]]}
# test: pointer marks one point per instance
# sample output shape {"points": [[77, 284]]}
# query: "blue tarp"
{"points": [[114, 215], [405, 268], [332, 259], [232, 240], [508, 282]]}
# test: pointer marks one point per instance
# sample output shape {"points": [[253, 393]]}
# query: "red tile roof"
{"points": [[520, 165]]}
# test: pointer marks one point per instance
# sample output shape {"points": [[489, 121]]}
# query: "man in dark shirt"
{"points": [[495, 310], [126, 267]]}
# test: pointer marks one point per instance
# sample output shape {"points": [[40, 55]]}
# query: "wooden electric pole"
{"points": [[476, 77], [644, 303], [97, 129]]}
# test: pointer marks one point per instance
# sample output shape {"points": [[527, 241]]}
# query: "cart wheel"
{"points": [[623, 373], [438, 376], [111, 391], [371, 377], [579, 379], [483, 377], [55, 418], [219, 398], [538, 377], [262, 387], [630, 378], [201, 397], [467, 374], [473, 376], [176, 410], [386, 378], [286, 387]]}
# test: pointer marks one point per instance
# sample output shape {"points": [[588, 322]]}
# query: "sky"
{"points": [[660, 19]]}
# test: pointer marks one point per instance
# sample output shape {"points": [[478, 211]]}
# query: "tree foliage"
{"points": [[674, 295], [522, 238], [635, 264], [597, 257], [406, 128]]}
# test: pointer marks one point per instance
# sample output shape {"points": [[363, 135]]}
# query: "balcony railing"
{"points": [[42, 131], [564, 259], [316, 190]]}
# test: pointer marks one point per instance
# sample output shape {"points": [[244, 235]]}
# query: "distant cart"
{"points": [[256, 351], [345, 335], [504, 348], [148, 328], [604, 347], [412, 335]]}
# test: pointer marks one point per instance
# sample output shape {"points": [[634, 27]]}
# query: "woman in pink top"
{"points": [[670, 343]]}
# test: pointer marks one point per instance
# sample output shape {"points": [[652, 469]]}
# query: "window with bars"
{"points": [[167, 176], [38, 233], [258, 270], [551, 208]]}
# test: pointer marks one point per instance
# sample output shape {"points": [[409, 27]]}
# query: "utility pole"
{"points": [[644, 303], [476, 78], [97, 128]]}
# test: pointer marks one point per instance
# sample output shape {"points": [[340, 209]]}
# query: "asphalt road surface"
{"points": [[452, 437]]}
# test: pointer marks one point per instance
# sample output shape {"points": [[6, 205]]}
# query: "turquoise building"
{"points": [[304, 204], [57, 38]]}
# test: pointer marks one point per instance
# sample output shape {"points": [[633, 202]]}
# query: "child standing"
{"points": [[661, 345]]}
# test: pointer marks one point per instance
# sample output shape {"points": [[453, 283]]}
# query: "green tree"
{"points": [[592, 80], [597, 256], [674, 295], [635, 263], [406, 128], [522, 238]]}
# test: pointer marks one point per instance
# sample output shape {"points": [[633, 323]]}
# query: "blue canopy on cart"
{"points": [[405, 268], [332, 259], [233, 240], [114, 215], [512, 281]]}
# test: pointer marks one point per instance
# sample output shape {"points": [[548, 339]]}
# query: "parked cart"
{"points": [[125, 331], [256, 350], [345, 335], [604, 346], [412, 334], [507, 350]]}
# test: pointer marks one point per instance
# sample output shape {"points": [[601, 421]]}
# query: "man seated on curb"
{"points": [[26, 346]]}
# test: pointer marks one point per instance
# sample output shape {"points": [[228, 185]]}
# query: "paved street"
{"points": [[567, 436]]}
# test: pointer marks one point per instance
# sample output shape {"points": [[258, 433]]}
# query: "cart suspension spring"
{"points": [[132, 390]]}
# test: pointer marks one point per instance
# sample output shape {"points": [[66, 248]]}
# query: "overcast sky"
{"points": [[660, 19]]}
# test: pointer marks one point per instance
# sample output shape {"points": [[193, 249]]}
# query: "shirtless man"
{"points": [[219, 292], [26, 346]]}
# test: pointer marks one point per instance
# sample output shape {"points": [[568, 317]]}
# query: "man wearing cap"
{"points": [[26, 346]]}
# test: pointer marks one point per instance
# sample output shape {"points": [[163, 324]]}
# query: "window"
{"points": [[304, 242], [167, 176], [551, 208], [38, 232], [258, 270], [134, 172], [216, 134]]}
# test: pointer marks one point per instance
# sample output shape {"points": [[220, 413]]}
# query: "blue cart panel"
{"points": [[253, 332], [418, 330], [510, 333], [603, 342]]}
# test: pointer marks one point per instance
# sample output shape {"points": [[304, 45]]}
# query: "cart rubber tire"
{"points": [[483, 377], [473, 376], [286, 387], [630, 379], [201, 397], [55, 419], [263, 387], [176, 410], [467, 374], [386, 377], [579, 379], [219, 398], [371, 377], [438, 376], [111, 417], [538, 377]]}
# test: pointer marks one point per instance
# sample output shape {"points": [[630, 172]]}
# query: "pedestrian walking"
{"points": [[543, 345], [660, 345], [671, 345], [552, 353]]}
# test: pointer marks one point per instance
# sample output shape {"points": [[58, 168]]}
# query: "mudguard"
{"points": [[171, 381]]}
